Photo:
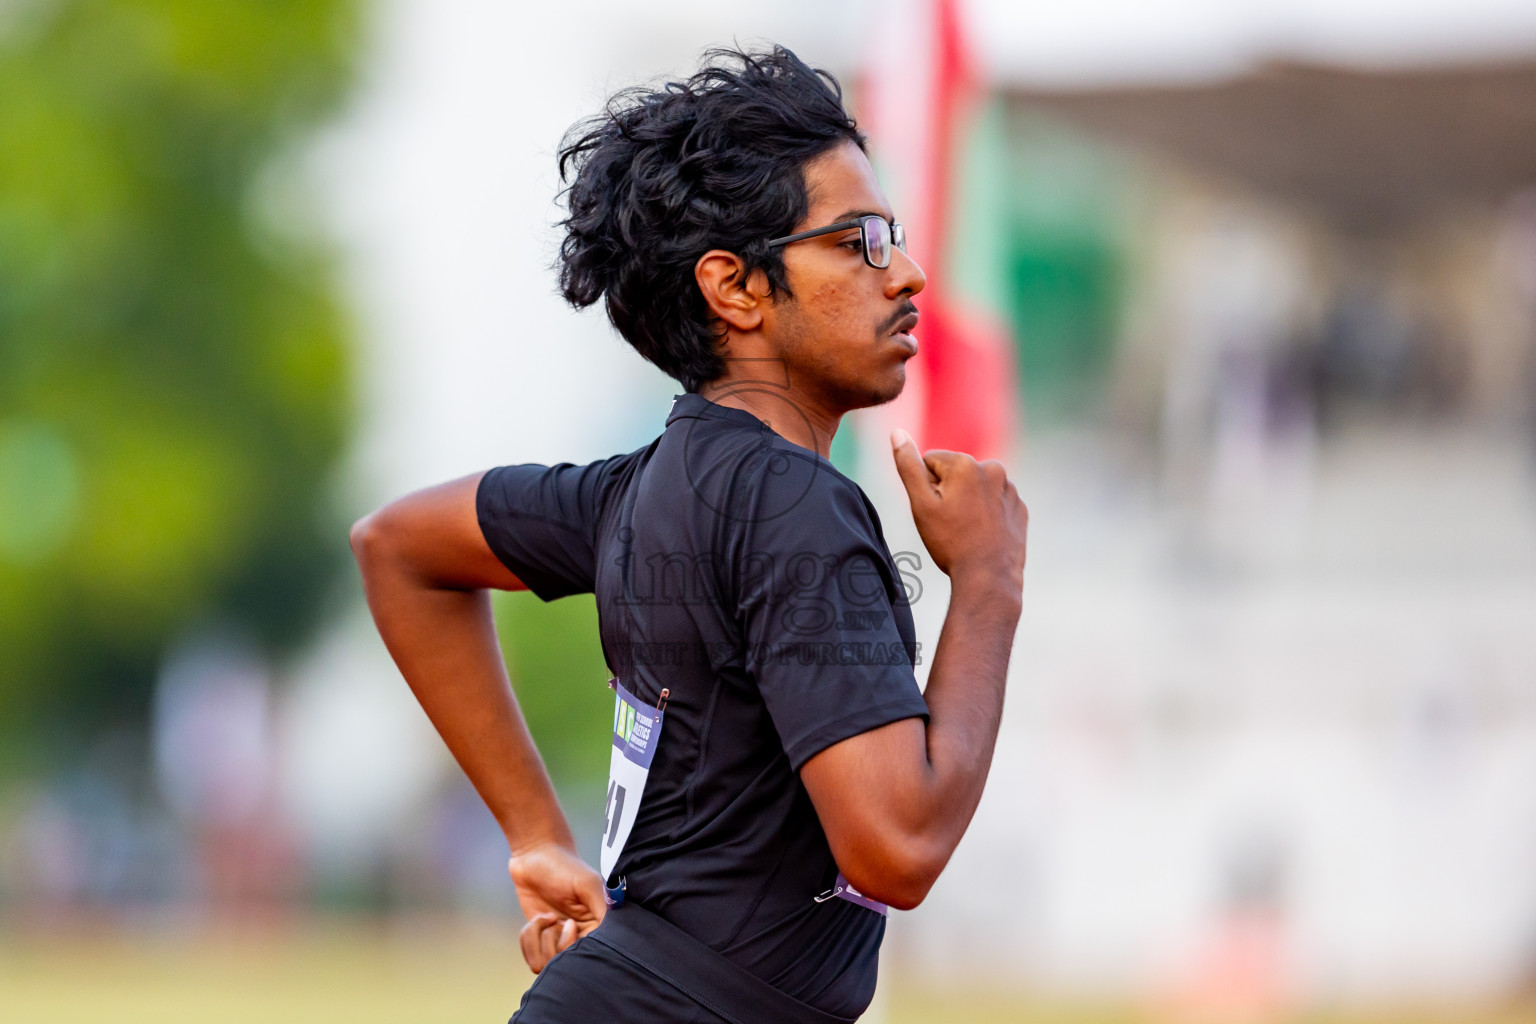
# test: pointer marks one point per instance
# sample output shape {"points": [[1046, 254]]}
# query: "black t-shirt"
{"points": [[750, 578]]}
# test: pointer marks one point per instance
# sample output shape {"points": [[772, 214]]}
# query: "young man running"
{"points": [[777, 777]]}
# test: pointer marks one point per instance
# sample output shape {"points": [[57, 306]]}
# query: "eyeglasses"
{"points": [[878, 235]]}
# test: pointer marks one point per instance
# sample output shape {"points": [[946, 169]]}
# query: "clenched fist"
{"points": [[561, 897], [968, 513]]}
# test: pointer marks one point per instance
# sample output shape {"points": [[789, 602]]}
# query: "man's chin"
{"points": [[884, 390]]}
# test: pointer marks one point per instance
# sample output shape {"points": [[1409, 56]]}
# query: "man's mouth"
{"points": [[903, 331], [901, 320]]}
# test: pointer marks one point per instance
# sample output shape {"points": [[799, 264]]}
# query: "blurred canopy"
{"points": [[173, 361]]}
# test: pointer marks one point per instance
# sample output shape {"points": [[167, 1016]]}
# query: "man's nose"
{"points": [[903, 276]]}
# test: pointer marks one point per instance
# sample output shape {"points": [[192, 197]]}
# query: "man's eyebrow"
{"points": [[856, 214]]}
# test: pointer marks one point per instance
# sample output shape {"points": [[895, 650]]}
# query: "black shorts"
{"points": [[638, 967], [590, 982]]}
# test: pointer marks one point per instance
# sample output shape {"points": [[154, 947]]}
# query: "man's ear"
{"points": [[733, 295]]}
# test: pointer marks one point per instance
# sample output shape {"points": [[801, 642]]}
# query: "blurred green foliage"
{"points": [[556, 662], [173, 358]]}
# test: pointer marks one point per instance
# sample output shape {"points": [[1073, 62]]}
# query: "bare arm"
{"points": [[896, 800], [426, 572]]}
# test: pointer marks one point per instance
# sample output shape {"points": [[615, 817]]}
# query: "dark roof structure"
{"points": [[1371, 150]]}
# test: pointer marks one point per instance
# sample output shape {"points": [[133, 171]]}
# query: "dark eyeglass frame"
{"points": [[898, 236]]}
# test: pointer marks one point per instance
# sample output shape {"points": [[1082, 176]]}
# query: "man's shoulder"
{"points": [[797, 491]]}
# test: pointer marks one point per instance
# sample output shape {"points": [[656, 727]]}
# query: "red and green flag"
{"points": [[938, 143]]}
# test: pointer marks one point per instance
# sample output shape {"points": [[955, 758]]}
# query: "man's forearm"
{"points": [[444, 642], [965, 700]]}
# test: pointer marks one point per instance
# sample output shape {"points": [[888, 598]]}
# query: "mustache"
{"points": [[906, 309]]}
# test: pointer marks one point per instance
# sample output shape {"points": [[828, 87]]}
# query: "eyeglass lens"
{"points": [[877, 242]]}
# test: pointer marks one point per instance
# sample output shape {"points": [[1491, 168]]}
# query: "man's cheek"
{"points": [[837, 306]]}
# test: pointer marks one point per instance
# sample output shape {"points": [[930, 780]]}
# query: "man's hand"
{"points": [[968, 513], [561, 897]]}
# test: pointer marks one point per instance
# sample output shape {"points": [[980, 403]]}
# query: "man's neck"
{"points": [[763, 388]]}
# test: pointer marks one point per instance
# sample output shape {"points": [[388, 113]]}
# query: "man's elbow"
{"points": [[370, 538], [899, 876]]}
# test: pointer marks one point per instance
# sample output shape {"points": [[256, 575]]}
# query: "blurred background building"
{"points": [[1245, 295]]}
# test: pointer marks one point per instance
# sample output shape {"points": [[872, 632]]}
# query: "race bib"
{"points": [[636, 731]]}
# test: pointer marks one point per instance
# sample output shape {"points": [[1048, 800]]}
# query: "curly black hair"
{"points": [[664, 175]]}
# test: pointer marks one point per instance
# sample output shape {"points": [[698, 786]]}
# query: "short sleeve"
{"points": [[541, 521], [826, 623]]}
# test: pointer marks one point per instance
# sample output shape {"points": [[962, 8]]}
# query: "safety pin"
{"points": [[829, 894], [661, 702]]}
